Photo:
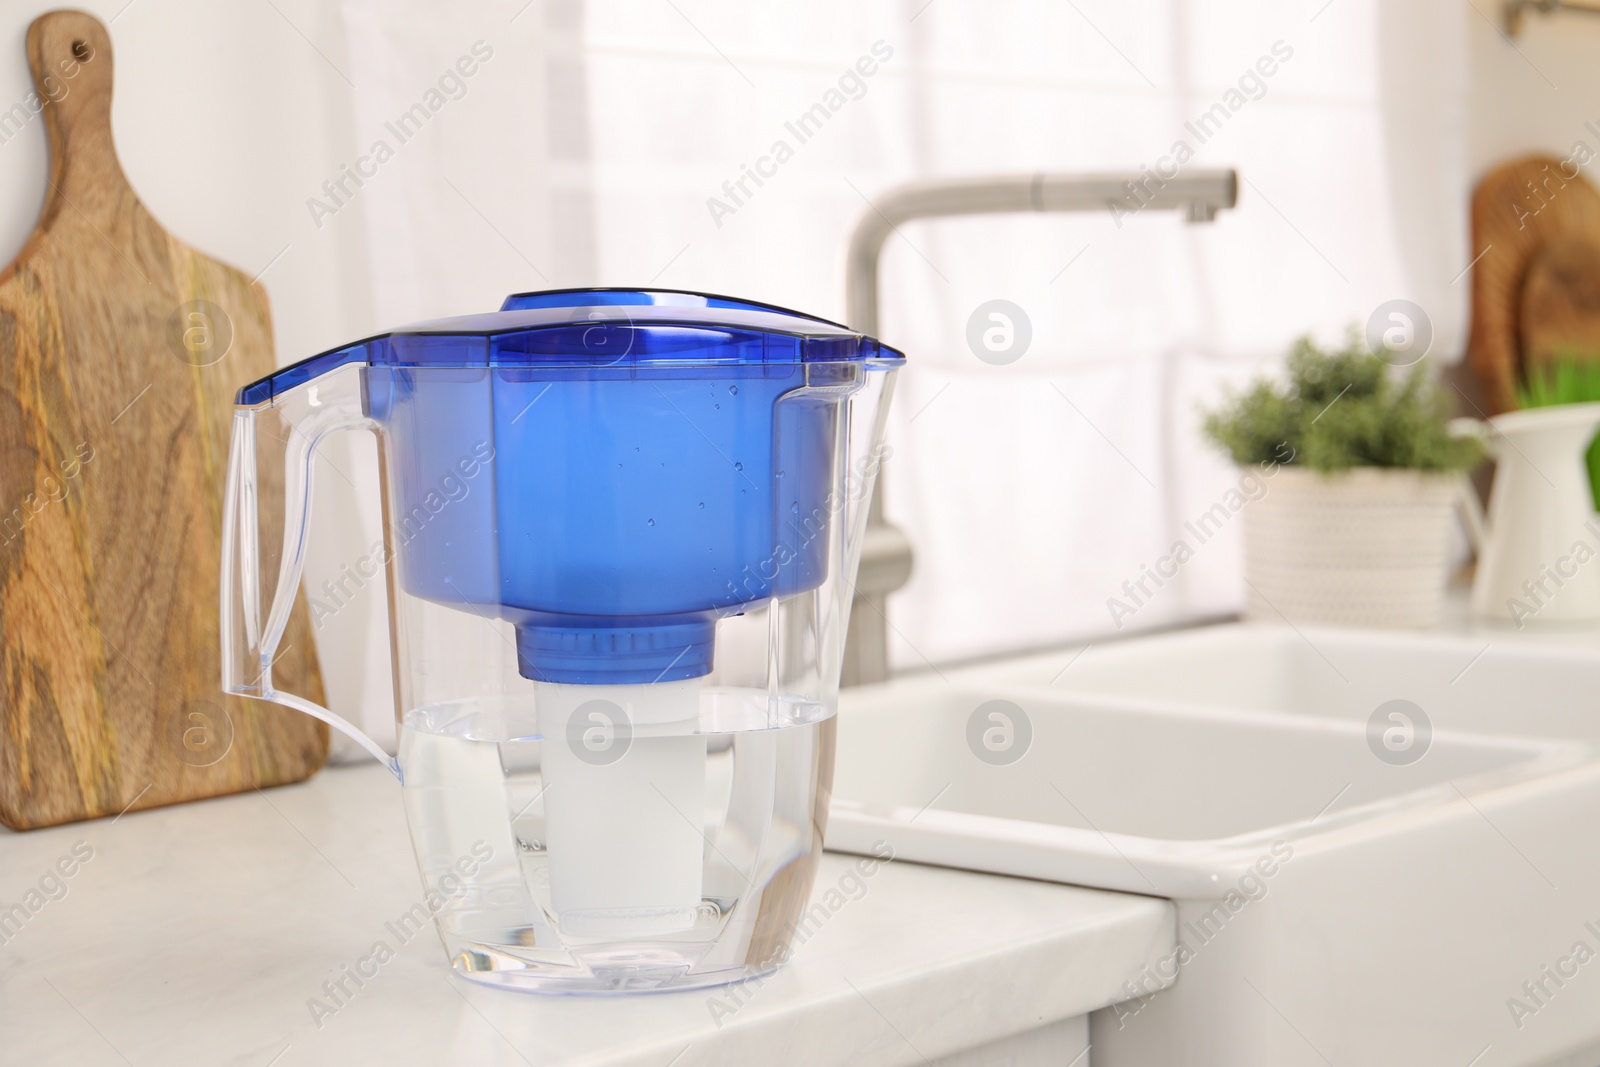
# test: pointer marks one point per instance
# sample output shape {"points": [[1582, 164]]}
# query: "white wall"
{"points": [[1533, 93]]}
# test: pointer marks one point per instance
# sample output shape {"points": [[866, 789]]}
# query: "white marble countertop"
{"points": [[1457, 618], [198, 933]]}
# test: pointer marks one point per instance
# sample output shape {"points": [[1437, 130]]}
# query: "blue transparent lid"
{"points": [[595, 329]]}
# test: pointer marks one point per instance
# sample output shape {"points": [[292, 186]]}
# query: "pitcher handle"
{"points": [[300, 417]]}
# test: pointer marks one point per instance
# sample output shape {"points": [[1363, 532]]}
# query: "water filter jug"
{"points": [[621, 530]]}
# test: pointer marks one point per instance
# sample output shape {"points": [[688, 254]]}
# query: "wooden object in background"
{"points": [[120, 351], [1518, 210], [1560, 313]]}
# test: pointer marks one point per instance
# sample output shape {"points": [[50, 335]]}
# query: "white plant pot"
{"points": [[1366, 547]]}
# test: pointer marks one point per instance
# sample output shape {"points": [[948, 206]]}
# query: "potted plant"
{"points": [[1364, 475]]}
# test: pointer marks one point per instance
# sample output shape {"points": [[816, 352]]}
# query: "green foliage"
{"points": [[1573, 377], [1340, 409], [1570, 378]]}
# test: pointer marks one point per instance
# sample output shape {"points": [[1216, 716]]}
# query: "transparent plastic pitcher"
{"points": [[621, 531]]}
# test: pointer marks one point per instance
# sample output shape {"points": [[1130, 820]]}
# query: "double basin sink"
{"points": [[1383, 848]]}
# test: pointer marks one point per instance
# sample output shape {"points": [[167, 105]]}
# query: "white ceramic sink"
{"points": [[1342, 900], [1121, 793]]}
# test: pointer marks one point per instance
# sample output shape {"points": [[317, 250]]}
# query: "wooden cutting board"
{"points": [[1519, 209], [1560, 315], [120, 351]]}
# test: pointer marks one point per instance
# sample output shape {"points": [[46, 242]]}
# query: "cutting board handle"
{"points": [[69, 53]]}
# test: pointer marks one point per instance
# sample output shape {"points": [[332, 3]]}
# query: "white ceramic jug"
{"points": [[1539, 553]]}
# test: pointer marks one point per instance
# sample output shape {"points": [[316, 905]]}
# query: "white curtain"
{"points": [[613, 143]]}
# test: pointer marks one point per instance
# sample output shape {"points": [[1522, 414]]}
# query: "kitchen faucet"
{"points": [[886, 551]]}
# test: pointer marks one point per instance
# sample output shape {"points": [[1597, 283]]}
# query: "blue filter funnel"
{"points": [[610, 470]]}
